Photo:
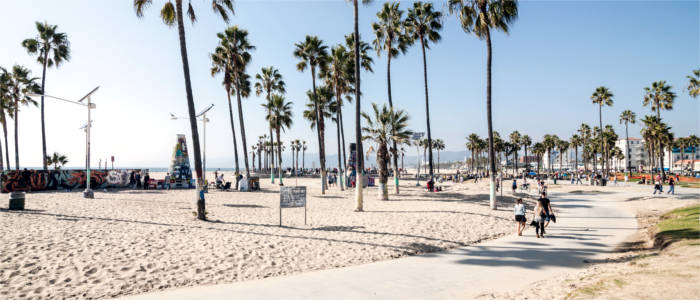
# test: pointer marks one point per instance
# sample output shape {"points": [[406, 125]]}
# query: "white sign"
{"points": [[292, 196]]}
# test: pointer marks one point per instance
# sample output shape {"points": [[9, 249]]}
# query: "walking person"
{"points": [[547, 207], [166, 183], [520, 219], [515, 185], [538, 216], [146, 181], [671, 186], [137, 178], [132, 181]]}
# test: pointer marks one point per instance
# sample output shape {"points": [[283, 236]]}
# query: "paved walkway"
{"points": [[588, 227]]}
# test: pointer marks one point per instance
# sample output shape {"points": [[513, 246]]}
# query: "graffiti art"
{"points": [[40, 180]]}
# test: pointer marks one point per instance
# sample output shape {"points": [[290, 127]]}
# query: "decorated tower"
{"points": [[180, 171]]}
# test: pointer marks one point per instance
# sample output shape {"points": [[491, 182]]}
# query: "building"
{"points": [[682, 162], [636, 155]]}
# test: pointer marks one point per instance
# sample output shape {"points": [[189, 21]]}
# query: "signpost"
{"points": [[292, 196], [416, 139]]}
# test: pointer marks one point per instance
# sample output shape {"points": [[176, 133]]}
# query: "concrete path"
{"points": [[589, 225]]}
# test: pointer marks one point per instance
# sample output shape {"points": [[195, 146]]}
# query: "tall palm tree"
{"points": [[694, 83], [5, 111], [423, 24], [385, 125], [172, 13], [516, 140], [303, 154], [526, 141], [312, 53], [660, 96], [389, 37], [479, 17], [269, 81], [358, 125], [52, 48], [584, 132], [337, 75], [628, 117], [21, 84], [235, 49], [57, 160], [281, 119], [693, 141], [603, 97]]}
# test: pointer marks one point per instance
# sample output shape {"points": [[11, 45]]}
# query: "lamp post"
{"points": [[205, 120], [87, 193]]}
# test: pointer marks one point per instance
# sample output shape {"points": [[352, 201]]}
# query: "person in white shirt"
{"points": [[519, 211]]}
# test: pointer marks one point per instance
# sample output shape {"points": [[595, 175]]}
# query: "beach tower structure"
{"points": [[180, 171]]}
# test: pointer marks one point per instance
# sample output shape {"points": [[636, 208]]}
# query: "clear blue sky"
{"points": [[544, 72]]}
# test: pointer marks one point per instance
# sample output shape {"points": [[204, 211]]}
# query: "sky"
{"points": [[544, 71]]}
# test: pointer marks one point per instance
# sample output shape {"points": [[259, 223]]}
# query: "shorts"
{"points": [[547, 217], [520, 218]]}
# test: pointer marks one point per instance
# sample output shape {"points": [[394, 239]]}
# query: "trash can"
{"points": [[17, 201], [603, 181]]}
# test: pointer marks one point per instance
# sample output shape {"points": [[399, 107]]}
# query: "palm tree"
{"points": [[281, 119], [660, 97], [337, 75], [171, 14], [5, 111], [525, 141], [57, 160], [563, 146], [424, 24], [20, 85], [479, 17], [549, 142], [303, 154], [575, 141], [473, 141], [389, 37], [539, 149], [585, 133], [602, 96], [313, 54], [516, 140], [358, 126], [52, 49], [693, 141], [384, 126], [694, 84], [269, 80], [439, 146], [234, 42], [628, 117]]}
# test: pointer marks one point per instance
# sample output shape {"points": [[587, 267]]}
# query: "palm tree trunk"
{"points": [[394, 152], [279, 153], [492, 154], [600, 121], [427, 108], [320, 132], [16, 135], [382, 157], [342, 136], [359, 178], [7, 152], [43, 130], [233, 129], [242, 126], [201, 211], [340, 164]]}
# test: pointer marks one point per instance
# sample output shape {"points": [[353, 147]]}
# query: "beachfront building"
{"points": [[636, 155], [682, 161]]}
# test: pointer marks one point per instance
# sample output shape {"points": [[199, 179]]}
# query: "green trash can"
{"points": [[17, 201]]}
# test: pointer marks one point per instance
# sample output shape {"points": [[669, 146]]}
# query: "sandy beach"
{"points": [[128, 242]]}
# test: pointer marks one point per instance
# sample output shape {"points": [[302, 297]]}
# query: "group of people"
{"points": [[135, 181], [659, 185], [542, 214]]}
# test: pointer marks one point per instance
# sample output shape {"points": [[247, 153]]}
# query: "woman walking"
{"points": [[520, 219]]}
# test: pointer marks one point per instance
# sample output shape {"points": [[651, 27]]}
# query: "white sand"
{"points": [[129, 242]]}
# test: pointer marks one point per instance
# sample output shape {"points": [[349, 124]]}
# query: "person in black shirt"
{"points": [[547, 207]]}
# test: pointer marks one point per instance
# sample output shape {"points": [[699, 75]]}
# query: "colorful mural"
{"points": [[40, 180], [180, 171]]}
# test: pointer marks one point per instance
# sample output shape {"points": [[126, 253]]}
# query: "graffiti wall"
{"points": [[40, 180]]}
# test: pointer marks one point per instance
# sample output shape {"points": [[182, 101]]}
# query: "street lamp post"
{"points": [[87, 193], [205, 120]]}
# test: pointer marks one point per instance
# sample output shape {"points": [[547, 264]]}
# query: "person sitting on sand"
{"points": [[520, 219]]}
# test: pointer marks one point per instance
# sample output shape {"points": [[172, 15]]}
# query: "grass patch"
{"points": [[619, 282], [679, 224], [589, 290]]}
